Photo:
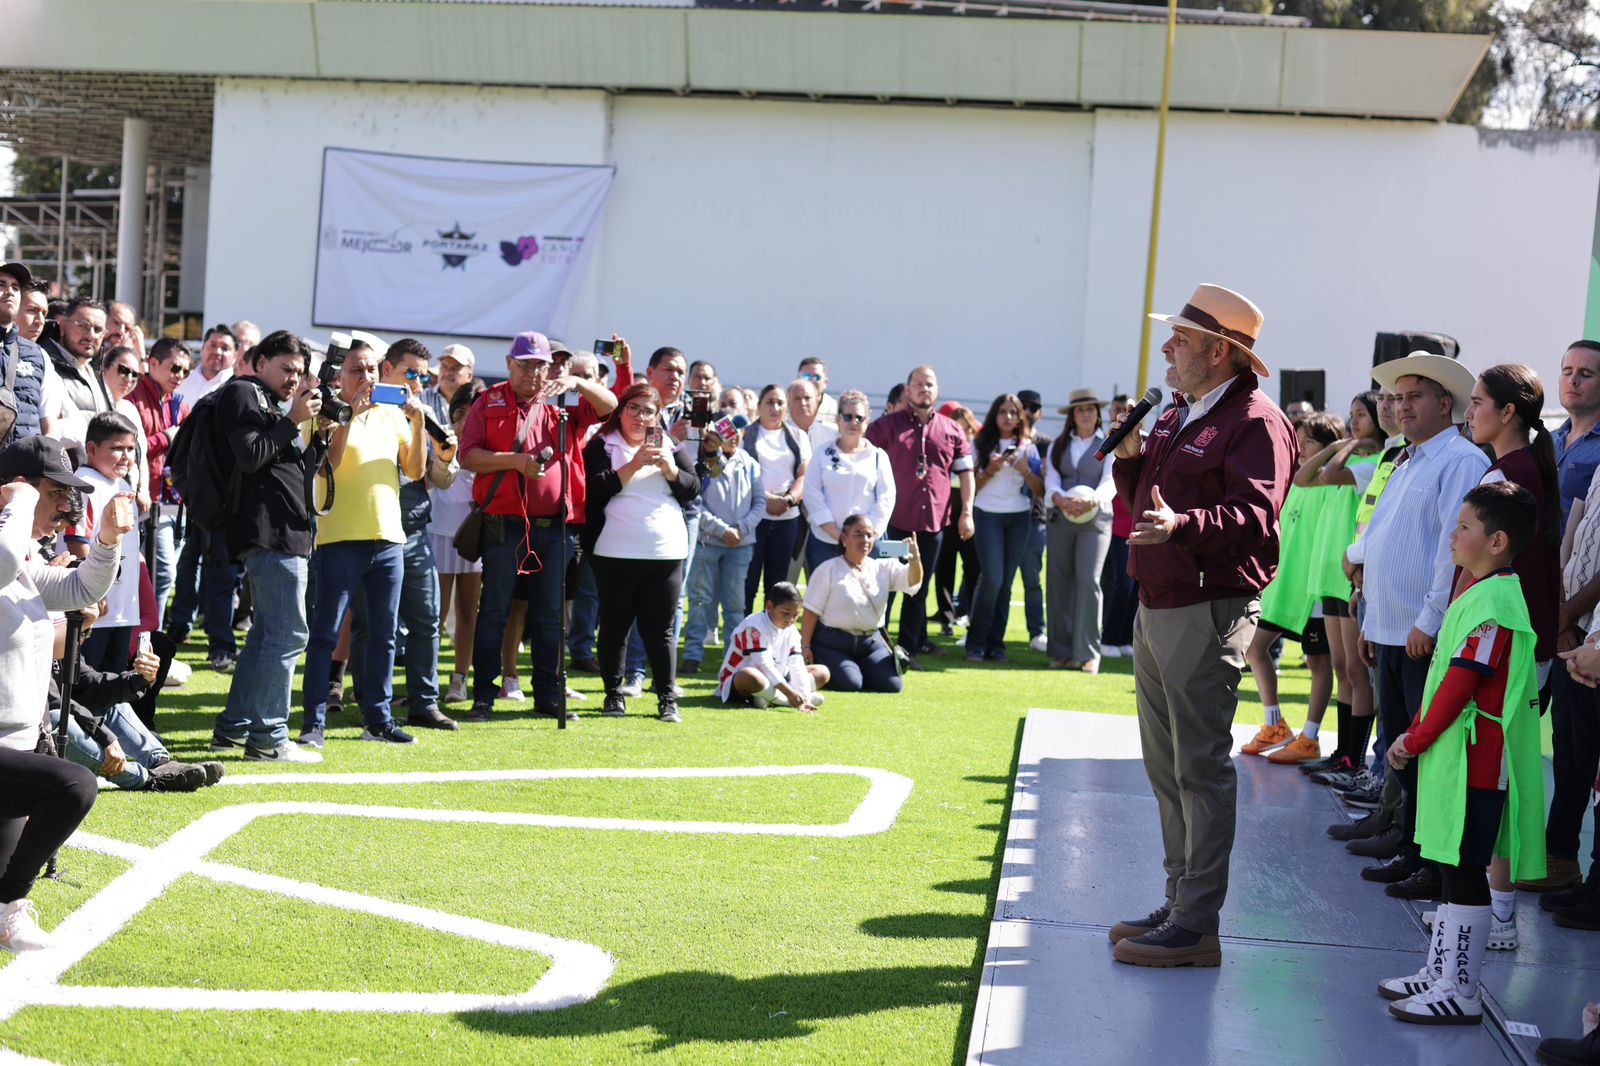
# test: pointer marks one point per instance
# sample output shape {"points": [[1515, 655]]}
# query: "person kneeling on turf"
{"points": [[763, 662], [110, 739], [1480, 782]]}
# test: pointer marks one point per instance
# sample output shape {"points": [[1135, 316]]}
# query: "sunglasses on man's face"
{"points": [[852, 419], [412, 375]]}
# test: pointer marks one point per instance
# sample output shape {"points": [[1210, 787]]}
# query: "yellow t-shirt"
{"points": [[366, 502]]}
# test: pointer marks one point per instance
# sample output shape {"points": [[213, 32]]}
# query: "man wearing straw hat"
{"points": [[1205, 488]]}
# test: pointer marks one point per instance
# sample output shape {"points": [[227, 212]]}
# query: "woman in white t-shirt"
{"points": [[845, 603], [637, 541], [783, 452], [120, 371], [848, 476], [1007, 467]]}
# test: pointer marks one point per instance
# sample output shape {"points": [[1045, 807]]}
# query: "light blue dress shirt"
{"points": [[1406, 548]]}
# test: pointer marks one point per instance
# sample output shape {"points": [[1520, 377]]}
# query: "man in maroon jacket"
{"points": [[160, 410], [1207, 485]]}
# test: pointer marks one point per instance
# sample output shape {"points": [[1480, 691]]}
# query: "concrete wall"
{"points": [[1007, 247]]}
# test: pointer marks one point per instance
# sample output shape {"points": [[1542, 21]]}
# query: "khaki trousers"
{"points": [[1186, 667]]}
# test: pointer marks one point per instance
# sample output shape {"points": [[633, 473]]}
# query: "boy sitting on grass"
{"points": [[1480, 785], [763, 661]]}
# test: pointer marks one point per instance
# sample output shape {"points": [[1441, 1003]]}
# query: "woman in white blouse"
{"points": [[849, 476], [120, 371], [1007, 467], [846, 598], [1079, 489], [637, 541], [783, 452]]}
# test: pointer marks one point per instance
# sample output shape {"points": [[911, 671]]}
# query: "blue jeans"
{"points": [[143, 749], [819, 551], [417, 637], [542, 629], [378, 567], [1032, 588], [1001, 539], [257, 711], [717, 580], [205, 583], [166, 575], [585, 612], [637, 660], [775, 540]]}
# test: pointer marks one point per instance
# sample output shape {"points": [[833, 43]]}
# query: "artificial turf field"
{"points": [[727, 948]]}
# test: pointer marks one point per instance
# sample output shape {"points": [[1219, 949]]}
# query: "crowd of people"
{"points": [[354, 503]]}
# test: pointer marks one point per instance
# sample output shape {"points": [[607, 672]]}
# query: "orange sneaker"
{"points": [[1267, 738], [1301, 749]]}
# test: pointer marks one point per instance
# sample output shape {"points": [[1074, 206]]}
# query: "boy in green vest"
{"points": [[1480, 785]]}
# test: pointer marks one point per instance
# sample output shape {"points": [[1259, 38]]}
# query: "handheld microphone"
{"points": [[543, 458], [1152, 396]]}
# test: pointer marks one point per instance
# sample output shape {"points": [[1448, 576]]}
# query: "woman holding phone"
{"points": [[783, 452], [846, 599], [637, 541], [1007, 480]]}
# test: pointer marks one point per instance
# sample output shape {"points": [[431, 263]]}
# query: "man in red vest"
{"points": [[507, 429]]}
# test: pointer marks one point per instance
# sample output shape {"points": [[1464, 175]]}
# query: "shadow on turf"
{"points": [[692, 1006], [928, 926]]}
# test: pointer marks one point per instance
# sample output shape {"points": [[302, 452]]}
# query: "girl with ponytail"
{"points": [[1505, 419]]}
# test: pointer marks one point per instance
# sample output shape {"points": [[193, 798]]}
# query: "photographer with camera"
{"points": [[361, 537], [254, 432], [524, 483], [42, 798]]}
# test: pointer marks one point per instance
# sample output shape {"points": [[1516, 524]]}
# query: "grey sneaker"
{"points": [[632, 687], [313, 738], [225, 743], [222, 662], [288, 751]]}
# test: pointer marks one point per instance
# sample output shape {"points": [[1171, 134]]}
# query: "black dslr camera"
{"points": [[334, 409]]}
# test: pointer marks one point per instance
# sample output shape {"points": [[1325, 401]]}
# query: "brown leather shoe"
{"points": [[1559, 873], [1170, 945]]}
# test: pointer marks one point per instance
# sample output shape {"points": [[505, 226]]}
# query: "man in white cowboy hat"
{"points": [[1205, 488], [1404, 569]]}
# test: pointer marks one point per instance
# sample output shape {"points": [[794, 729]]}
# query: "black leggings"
{"points": [[42, 800], [642, 591]]}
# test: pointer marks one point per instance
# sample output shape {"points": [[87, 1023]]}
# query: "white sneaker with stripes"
{"points": [[1442, 1004]]}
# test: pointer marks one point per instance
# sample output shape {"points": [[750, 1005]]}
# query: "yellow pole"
{"points": [[1155, 202]]}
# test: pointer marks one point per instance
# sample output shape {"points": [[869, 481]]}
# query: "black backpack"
{"points": [[209, 492]]}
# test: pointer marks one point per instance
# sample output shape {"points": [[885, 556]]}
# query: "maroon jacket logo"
{"points": [[1206, 436]]}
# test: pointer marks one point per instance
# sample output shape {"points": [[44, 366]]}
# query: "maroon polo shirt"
{"points": [[935, 450]]}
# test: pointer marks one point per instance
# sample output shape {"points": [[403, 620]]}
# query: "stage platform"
{"points": [[1304, 938]]}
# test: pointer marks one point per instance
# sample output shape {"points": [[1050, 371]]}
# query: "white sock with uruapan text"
{"points": [[1505, 905], [1466, 941], [1274, 714]]}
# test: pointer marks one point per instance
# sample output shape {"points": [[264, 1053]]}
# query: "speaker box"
{"points": [[1391, 346], [1308, 385]]}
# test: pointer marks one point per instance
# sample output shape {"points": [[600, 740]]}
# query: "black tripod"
{"points": [[561, 577], [69, 680]]}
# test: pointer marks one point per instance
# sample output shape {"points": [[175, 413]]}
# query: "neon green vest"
{"points": [[1286, 602], [1442, 769], [1369, 501]]}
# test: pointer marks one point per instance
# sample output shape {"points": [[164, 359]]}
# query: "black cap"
{"points": [[37, 456], [21, 273], [1030, 397]]}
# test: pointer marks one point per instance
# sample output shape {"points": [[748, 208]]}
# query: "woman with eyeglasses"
{"points": [[636, 541], [784, 453], [850, 476], [846, 600], [120, 371]]}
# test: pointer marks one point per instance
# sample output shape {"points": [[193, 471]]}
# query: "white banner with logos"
{"points": [[452, 246]]}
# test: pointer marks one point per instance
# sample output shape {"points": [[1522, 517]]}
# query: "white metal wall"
{"points": [[1006, 247]]}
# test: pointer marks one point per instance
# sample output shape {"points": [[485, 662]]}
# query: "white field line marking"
{"points": [[578, 970]]}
